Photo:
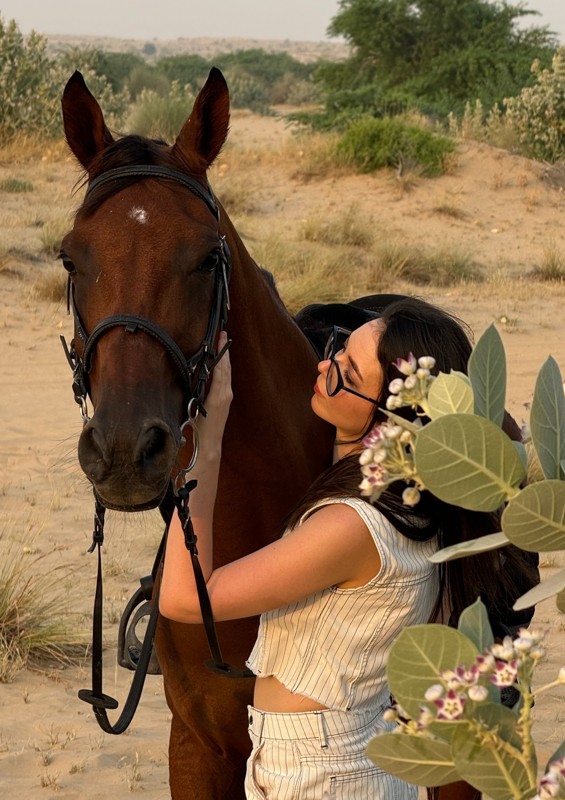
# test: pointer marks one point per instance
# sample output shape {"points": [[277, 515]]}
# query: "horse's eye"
{"points": [[67, 263], [211, 262]]}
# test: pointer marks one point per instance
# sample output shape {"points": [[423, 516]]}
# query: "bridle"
{"points": [[194, 372]]}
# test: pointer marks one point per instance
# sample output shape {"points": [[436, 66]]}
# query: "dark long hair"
{"points": [[414, 326]]}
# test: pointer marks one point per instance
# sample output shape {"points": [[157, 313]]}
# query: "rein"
{"points": [[194, 372]]}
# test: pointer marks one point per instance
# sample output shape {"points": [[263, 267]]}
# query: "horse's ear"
{"points": [[205, 131], [83, 121]]}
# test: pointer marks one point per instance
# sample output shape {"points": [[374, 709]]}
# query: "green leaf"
{"points": [[450, 394], [535, 518], [415, 759], [475, 625], [417, 658], [485, 766], [487, 370], [559, 753], [491, 541], [547, 420], [468, 461], [545, 589], [522, 453], [560, 601]]}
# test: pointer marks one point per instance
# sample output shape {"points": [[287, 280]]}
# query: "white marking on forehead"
{"points": [[138, 214]]}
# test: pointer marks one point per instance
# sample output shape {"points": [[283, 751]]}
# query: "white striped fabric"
{"points": [[333, 646]]}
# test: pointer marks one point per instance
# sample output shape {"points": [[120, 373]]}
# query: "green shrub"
{"points": [[537, 113], [371, 144], [160, 117]]}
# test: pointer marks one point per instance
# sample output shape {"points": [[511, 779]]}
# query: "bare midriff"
{"points": [[271, 695]]}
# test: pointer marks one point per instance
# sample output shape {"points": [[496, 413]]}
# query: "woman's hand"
{"points": [[217, 404]]}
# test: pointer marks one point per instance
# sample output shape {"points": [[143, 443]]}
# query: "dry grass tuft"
{"points": [[554, 175], [394, 260], [52, 233], [50, 284], [33, 148], [350, 227], [35, 627], [552, 265]]}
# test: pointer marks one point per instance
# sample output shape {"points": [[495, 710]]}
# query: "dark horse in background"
{"points": [[149, 247]]}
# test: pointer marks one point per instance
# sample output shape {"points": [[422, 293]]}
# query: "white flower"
{"points": [[406, 366]]}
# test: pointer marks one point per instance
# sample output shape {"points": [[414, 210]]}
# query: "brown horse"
{"points": [[150, 247]]}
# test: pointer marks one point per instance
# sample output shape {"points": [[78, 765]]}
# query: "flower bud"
{"points": [[411, 496], [434, 692], [405, 437], [390, 715], [392, 432], [411, 382], [422, 374], [427, 362], [396, 386], [478, 694], [366, 457]]}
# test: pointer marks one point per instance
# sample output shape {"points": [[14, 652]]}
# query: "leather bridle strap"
{"points": [[153, 171], [217, 663]]}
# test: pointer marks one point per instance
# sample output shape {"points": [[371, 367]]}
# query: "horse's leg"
{"points": [[197, 771], [457, 791], [209, 743]]}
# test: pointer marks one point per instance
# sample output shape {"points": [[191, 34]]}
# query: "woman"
{"points": [[343, 581]]}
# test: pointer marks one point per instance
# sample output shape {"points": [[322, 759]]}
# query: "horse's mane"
{"points": [[132, 150]]}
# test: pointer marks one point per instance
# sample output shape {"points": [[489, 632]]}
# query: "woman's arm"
{"points": [[332, 547]]}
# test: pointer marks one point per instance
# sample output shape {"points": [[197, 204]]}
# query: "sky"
{"points": [[170, 19]]}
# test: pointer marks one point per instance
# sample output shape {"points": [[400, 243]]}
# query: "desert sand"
{"points": [[50, 744]]}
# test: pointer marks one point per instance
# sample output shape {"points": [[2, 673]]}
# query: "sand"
{"points": [[50, 744]]}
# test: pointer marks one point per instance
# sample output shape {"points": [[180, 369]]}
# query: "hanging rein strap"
{"points": [[99, 701]]}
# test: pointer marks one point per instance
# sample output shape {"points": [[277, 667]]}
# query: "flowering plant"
{"points": [[457, 450], [452, 725]]}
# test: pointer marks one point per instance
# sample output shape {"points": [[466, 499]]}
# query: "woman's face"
{"points": [[361, 372]]}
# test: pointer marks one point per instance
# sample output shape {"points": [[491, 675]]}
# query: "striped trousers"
{"points": [[318, 755]]}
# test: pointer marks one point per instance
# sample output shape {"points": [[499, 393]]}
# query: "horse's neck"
{"points": [[273, 438]]}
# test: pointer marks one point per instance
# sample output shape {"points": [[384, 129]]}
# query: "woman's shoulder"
{"points": [[362, 508]]}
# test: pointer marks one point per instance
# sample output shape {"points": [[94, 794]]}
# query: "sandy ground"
{"points": [[50, 744]]}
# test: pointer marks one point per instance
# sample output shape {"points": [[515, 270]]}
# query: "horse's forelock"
{"points": [[128, 151]]}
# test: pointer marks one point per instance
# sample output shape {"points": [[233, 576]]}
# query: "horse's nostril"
{"points": [[153, 445], [156, 440]]}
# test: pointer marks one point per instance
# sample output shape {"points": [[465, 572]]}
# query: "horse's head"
{"points": [[145, 258]]}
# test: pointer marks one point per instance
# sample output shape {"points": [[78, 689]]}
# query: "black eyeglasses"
{"points": [[334, 379]]}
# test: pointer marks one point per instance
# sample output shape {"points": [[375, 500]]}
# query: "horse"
{"points": [[149, 245]]}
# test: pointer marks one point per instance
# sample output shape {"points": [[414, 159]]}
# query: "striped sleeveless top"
{"points": [[333, 646]]}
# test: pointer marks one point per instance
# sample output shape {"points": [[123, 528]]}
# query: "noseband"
{"points": [[194, 372]]}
